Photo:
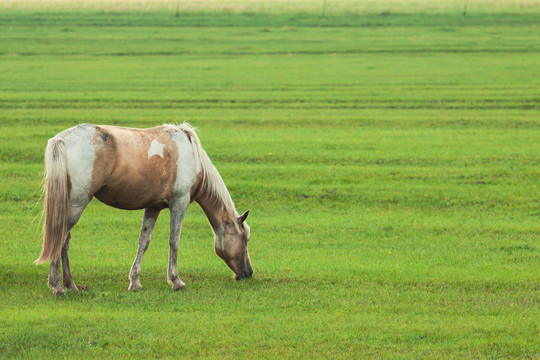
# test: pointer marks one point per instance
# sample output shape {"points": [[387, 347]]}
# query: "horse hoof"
{"points": [[59, 292], [179, 286], [133, 287], [84, 287], [71, 287]]}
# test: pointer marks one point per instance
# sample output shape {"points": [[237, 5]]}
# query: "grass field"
{"points": [[389, 154]]}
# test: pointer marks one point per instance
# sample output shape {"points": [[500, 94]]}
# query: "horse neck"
{"points": [[215, 209]]}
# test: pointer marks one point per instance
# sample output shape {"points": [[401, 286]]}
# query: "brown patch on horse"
{"points": [[125, 175]]}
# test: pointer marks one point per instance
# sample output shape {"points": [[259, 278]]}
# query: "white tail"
{"points": [[56, 201]]}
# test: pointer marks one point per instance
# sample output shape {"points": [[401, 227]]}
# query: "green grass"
{"points": [[389, 159]]}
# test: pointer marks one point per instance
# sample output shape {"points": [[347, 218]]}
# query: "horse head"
{"points": [[231, 244]]}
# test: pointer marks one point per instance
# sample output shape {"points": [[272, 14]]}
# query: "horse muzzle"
{"points": [[245, 274]]}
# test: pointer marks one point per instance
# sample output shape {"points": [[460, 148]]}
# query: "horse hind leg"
{"points": [[54, 278], [74, 215], [149, 221], [54, 271], [66, 271]]}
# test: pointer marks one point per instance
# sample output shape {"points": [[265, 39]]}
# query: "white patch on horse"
{"points": [[219, 237], [80, 161], [187, 168], [155, 149]]}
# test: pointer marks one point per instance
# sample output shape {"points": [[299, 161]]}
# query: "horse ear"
{"points": [[243, 218]]}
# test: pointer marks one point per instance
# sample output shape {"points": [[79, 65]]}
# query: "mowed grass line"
{"points": [[390, 162]]}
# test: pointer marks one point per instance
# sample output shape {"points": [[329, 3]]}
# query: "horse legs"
{"points": [[66, 271], [54, 278], [149, 220], [178, 211], [54, 271]]}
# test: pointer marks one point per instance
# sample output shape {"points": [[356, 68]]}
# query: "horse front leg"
{"points": [[178, 211], [149, 221]]}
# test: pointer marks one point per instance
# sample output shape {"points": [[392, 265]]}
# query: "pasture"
{"points": [[389, 154]]}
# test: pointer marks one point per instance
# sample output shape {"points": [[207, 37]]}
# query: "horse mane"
{"points": [[212, 183]]}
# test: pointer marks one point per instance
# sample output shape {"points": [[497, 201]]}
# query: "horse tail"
{"points": [[56, 188]]}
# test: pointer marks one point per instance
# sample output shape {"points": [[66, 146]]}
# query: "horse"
{"points": [[133, 169]]}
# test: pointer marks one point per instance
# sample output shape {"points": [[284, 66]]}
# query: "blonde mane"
{"points": [[212, 183]]}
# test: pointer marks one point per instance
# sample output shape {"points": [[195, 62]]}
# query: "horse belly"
{"points": [[133, 194]]}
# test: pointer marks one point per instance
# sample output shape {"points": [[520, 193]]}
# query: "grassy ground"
{"points": [[390, 160]]}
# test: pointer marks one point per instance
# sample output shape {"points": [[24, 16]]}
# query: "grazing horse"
{"points": [[150, 169]]}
